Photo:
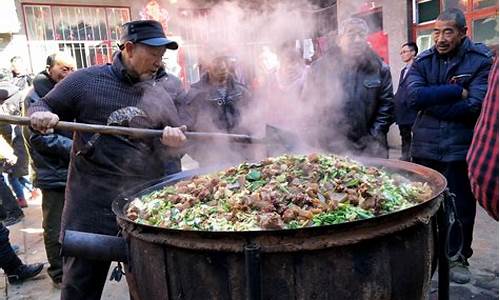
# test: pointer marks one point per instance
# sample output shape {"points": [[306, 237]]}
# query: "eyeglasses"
{"points": [[353, 35]]}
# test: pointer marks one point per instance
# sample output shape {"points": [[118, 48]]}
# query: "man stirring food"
{"points": [[103, 166]]}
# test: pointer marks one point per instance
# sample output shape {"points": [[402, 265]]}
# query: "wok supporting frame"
{"points": [[252, 270], [444, 216]]}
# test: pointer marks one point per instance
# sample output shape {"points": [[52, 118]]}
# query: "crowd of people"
{"points": [[436, 106]]}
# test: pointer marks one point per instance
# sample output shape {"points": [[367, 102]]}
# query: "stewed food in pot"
{"points": [[285, 192]]}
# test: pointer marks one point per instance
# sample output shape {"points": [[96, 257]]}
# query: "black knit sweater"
{"points": [[104, 166]]}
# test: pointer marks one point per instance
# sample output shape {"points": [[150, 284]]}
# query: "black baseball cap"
{"points": [[148, 32]]}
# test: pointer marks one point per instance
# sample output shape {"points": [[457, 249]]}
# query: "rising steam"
{"points": [[266, 42]]}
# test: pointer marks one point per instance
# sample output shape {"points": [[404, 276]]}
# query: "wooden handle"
{"points": [[134, 132]]}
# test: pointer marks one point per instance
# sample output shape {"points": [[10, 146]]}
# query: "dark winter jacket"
{"points": [[445, 122], [50, 153], [215, 111], [352, 103], [43, 83], [105, 166], [404, 114]]}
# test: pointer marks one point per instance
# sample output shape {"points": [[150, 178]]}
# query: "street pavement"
{"points": [[28, 235]]}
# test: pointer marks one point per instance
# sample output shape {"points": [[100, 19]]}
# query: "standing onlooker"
{"points": [[216, 103], [9, 99], [17, 174], [218, 98], [405, 115], [280, 94], [20, 75], [289, 78], [482, 158], [350, 92], [447, 84], [50, 155], [12, 105], [105, 166], [58, 66]]}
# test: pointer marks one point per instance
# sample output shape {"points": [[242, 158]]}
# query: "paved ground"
{"points": [[28, 235], [483, 264]]}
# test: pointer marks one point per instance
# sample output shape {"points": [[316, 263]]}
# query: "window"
{"points": [[116, 17], [462, 4], [74, 23], [427, 10], [479, 4], [87, 32], [79, 23], [486, 30], [481, 17], [424, 40], [39, 22]]}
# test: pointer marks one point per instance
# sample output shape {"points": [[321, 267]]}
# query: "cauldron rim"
{"points": [[422, 173]]}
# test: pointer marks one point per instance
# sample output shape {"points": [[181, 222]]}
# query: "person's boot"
{"points": [[15, 248], [24, 272], [13, 219], [22, 202], [459, 270]]}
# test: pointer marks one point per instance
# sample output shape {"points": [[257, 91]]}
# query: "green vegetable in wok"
{"points": [[285, 192]]}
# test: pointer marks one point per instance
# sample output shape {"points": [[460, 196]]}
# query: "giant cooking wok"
{"points": [[385, 257]]}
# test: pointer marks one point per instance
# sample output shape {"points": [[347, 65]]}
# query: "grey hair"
{"points": [[353, 22], [453, 14]]}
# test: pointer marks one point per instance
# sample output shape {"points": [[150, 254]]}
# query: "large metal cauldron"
{"points": [[387, 257]]}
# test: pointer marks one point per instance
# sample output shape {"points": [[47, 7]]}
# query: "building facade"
{"points": [[89, 29], [481, 17]]}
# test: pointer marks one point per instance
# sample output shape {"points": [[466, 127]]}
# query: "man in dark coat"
{"points": [[405, 115], [350, 93], [102, 167], [216, 103], [447, 84], [50, 154]]}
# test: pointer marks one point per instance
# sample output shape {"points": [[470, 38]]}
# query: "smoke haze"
{"points": [[263, 40]]}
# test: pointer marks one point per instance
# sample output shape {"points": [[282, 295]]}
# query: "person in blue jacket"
{"points": [[50, 156], [447, 84]]}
